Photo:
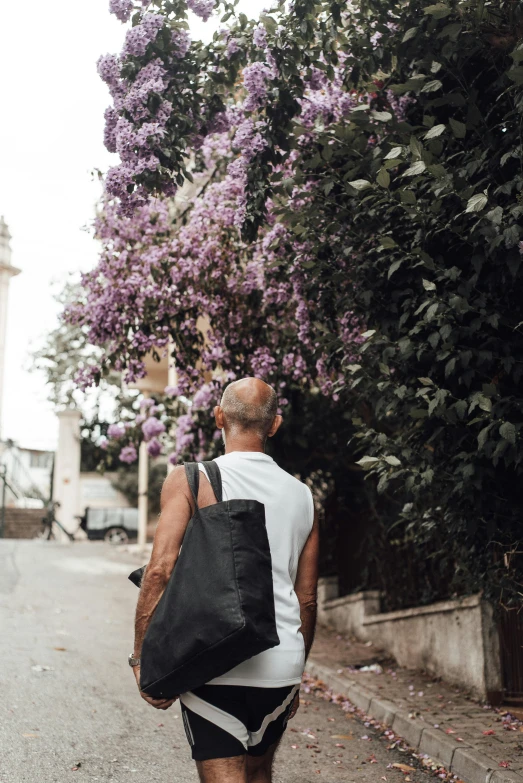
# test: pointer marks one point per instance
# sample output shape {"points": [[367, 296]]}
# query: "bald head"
{"points": [[249, 405]]}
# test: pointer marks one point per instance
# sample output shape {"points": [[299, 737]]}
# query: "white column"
{"points": [[7, 271], [143, 486], [66, 478], [172, 380]]}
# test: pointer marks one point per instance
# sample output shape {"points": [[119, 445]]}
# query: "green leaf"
{"points": [[437, 130], [416, 168], [438, 10], [428, 285], [381, 116], [433, 309], [394, 266], [496, 215], [458, 128], [395, 152], [437, 170], [517, 54], [383, 483], [269, 23], [451, 31], [483, 435], [461, 408], [416, 147], [432, 86], [367, 462], [383, 178], [394, 461], [516, 74], [411, 32], [360, 184], [387, 242], [407, 197], [484, 403], [476, 203], [393, 163], [508, 431]]}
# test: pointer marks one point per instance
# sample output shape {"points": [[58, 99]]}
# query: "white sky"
{"points": [[51, 138]]}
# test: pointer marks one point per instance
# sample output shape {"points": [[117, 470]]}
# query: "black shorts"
{"points": [[233, 720]]}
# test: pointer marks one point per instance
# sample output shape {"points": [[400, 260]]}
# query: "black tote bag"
{"points": [[218, 607]]}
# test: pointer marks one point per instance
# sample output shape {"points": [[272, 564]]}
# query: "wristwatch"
{"points": [[133, 661]]}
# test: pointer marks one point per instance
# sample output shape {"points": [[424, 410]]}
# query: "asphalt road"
{"points": [[69, 707]]}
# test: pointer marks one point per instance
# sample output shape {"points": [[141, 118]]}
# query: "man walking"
{"points": [[235, 723]]}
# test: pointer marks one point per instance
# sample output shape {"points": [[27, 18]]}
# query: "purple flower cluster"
{"points": [[108, 67], [259, 36], [255, 78], [232, 48], [154, 448], [138, 38], [184, 437], [249, 138], [181, 42], [152, 427], [122, 9], [115, 431], [128, 454], [202, 8]]}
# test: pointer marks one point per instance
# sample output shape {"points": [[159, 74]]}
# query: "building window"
{"points": [[40, 459]]}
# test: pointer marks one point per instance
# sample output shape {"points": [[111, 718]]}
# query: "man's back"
{"points": [[289, 515], [235, 723]]}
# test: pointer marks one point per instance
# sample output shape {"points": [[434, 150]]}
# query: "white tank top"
{"points": [[289, 514]]}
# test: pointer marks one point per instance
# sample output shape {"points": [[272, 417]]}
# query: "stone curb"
{"points": [[457, 757]]}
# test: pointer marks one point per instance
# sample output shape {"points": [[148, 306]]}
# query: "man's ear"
{"points": [[218, 416], [275, 426]]}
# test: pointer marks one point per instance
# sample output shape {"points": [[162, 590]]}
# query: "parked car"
{"points": [[115, 525]]}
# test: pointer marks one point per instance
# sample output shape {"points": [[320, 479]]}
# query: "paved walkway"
{"points": [[475, 742], [70, 710]]}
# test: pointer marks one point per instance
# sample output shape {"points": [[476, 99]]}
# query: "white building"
{"points": [[7, 271], [28, 475]]}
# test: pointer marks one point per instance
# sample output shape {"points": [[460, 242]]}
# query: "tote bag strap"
{"points": [[215, 477], [192, 472]]}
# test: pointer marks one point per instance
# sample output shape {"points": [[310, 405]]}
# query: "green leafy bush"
{"points": [[433, 214]]}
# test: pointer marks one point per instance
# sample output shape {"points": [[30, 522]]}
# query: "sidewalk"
{"points": [[475, 742]]}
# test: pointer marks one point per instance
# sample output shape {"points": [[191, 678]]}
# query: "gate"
{"points": [[511, 649]]}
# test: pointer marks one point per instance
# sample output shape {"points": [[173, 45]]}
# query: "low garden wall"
{"points": [[457, 640], [23, 522]]}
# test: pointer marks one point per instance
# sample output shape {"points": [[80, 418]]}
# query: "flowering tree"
{"points": [[354, 165], [230, 307], [272, 317]]}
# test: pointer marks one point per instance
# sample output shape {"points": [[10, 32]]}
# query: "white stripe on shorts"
{"points": [[229, 723]]}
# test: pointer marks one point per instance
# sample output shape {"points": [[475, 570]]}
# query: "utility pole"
{"points": [[3, 478]]}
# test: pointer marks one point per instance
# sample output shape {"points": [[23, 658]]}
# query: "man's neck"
{"points": [[243, 442]]}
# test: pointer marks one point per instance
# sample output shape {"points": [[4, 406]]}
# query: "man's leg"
{"points": [[231, 770], [259, 768]]}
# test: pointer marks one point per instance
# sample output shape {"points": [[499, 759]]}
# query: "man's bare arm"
{"points": [[176, 511], [306, 586]]}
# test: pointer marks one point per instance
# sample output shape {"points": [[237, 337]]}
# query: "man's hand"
{"points": [[159, 704], [295, 706]]}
